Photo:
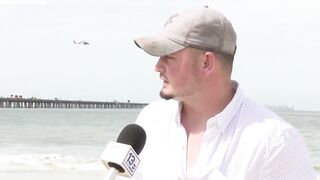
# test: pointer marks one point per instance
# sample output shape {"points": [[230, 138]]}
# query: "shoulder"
{"points": [[157, 111], [279, 146], [258, 115], [160, 104], [266, 129]]}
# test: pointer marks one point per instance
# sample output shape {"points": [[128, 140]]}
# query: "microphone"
{"points": [[121, 157]]}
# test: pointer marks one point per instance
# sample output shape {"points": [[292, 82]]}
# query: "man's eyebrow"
{"points": [[170, 57]]}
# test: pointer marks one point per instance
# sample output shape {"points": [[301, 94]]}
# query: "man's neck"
{"points": [[195, 114], [196, 111]]}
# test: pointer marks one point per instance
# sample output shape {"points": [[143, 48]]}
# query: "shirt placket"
{"points": [[197, 171], [181, 144]]}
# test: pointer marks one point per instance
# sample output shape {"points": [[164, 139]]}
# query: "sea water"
{"points": [[71, 140], [58, 139]]}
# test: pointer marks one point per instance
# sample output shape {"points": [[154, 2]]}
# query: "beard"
{"points": [[179, 95], [189, 87], [166, 96]]}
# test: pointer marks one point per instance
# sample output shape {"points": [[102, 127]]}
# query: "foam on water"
{"points": [[48, 162], [71, 140]]}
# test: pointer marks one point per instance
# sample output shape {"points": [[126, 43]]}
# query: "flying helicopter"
{"points": [[81, 42]]}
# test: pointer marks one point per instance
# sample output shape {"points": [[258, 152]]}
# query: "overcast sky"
{"points": [[277, 60]]}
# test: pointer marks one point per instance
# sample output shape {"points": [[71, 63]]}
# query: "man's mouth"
{"points": [[164, 79]]}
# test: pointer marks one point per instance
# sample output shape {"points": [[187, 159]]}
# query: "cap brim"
{"points": [[158, 45]]}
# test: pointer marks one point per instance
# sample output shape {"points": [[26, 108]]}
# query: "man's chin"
{"points": [[166, 96]]}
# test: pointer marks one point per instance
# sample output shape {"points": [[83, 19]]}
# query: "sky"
{"points": [[277, 61]]}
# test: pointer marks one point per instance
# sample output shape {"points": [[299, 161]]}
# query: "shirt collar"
{"points": [[223, 119]]}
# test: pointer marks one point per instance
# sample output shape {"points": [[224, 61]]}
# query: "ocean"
{"points": [[71, 140]]}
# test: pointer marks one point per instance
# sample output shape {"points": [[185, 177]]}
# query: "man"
{"points": [[205, 128]]}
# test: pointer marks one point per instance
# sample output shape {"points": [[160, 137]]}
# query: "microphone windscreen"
{"points": [[133, 135]]}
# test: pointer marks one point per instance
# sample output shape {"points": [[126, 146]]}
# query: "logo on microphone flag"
{"points": [[123, 155], [131, 161]]}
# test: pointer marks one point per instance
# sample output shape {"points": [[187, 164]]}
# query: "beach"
{"points": [[53, 176], [50, 176], [66, 144], [62, 144]]}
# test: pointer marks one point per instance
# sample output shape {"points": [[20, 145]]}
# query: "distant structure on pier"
{"points": [[20, 102], [281, 108]]}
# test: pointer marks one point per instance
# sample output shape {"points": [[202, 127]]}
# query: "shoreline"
{"points": [[54, 175]]}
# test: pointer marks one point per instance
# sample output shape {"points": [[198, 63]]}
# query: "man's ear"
{"points": [[209, 61]]}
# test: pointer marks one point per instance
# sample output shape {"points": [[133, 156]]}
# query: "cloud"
{"points": [[22, 2]]}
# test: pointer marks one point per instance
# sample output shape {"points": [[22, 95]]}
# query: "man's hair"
{"points": [[226, 60]]}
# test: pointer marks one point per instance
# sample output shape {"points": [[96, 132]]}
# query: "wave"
{"points": [[49, 162], [57, 162]]}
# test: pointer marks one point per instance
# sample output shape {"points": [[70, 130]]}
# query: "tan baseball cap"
{"points": [[200, 27]]}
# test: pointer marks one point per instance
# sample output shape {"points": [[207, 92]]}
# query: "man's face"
{"points": [[180, 74]]}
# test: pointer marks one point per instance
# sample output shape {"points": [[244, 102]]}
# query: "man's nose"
{"points": [[159, 66]]}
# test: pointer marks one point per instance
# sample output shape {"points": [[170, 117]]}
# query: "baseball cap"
{"points": [[197, 27]]}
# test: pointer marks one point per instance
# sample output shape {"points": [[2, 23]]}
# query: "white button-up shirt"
{"points": [[245, 141]]}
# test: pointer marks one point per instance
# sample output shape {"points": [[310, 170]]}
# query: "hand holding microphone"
{"points": [[121, 157]]}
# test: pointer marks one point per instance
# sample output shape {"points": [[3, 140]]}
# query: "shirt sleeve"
{"points": [[287, 158]]}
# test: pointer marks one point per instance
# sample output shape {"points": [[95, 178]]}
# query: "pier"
{"points": [[56, 103]]}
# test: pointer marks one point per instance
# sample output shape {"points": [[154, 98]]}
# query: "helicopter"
{"points": [[81, 42]]}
